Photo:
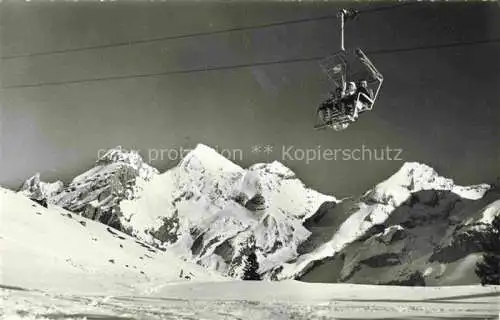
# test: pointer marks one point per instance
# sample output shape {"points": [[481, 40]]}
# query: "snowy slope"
{"points": [[375, 207], [257, 300], [207, 209], [53, 249]]}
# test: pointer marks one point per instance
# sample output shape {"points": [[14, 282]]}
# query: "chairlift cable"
{"points": [[248, 65], [192, 35]]}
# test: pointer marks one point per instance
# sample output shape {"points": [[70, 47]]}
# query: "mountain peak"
{"points": [[413, 177], [131, 158], [417, 176], [36, 189], [119, 154], [205, 157], [276, 168]]}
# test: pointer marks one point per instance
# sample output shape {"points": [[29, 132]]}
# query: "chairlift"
{"points": [[347, 69]]}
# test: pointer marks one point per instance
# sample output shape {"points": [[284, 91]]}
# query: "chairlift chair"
{"points": [[341, 68]]}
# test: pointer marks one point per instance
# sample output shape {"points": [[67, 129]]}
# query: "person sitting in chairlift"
{"points": [[349, 100], [338, 96], [365, 91], [333, 100], [327, 106], [365, 95], [351, 88], [363, 88]]}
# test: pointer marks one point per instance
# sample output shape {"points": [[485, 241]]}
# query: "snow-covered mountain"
{"points": [[211, 211], [96, 193], [414, 228], [206, 209], [36, 189]]}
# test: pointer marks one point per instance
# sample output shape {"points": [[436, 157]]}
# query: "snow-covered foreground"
{"points": [[261, 300], [53, 249]]}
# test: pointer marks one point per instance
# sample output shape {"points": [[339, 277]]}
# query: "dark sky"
{"points": [[440, 106]]}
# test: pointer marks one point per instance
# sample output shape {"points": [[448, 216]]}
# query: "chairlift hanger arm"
{"points": [[342, 23], [344, 14]]}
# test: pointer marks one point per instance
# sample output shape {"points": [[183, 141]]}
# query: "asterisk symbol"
{"points": [[268, 149], [256, 148]]}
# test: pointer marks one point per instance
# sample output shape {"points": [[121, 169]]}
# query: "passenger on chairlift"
{"points": [[363, 88], [349, 99], [365, 95]]}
